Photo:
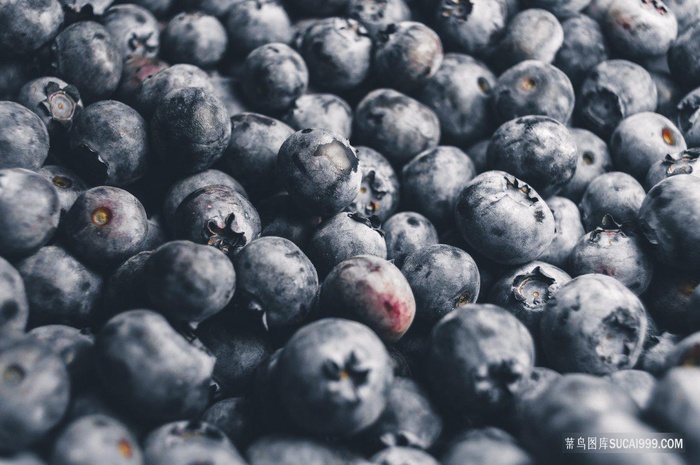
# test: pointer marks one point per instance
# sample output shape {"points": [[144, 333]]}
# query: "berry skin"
{"points": [[319, 170], [370, 290], [189, 282], [469, 376], [156, 86], [105, 226], [150, 369], [24, 140], [493, 196], [275, 280], [134, 30], [616, 194], [405, 233], [194, 38], [29, 212], [333, 377], [14, 307], [28, 25], [190, 130], [594, 325], [217, 216]]}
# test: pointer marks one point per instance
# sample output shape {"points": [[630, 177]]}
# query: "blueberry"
{"points": [[157, 85], [194, 38], [432, 182], [405, 233], [28, 24], [105, 226], [319, 169], [150, 369], [333, 377], [675, 406], [614, 250], [532, 34], [406, 54], [241, 345], [689, 119], [375, 15], [533, 88], [96, 437], [409, 420], [641, 140], [60, 289], [466, 374], [372, 291], [109, 144], [668, 295], [236, 417], [252, 23], [526, 290], [281, 218], [485, 445], [323, 111], [273, 77], [536, 149], [459, 93], [217, 216], [29, 212], [135, 72], [338, 53], [74, 346], [569, 230], [570, 403], [593, 325], [396, 125], [686, 353], [134, 29], [443, 278], [34, 392], [670, 220], [612, 91], [669, 94], [344, 236], [251, 155], [288, 450], [275, 280], [583, 48], [597, 9], [190, 130], [616, 194], [185, 443], [184, 187], [638, 384], [189, 282], [640, 28], [55, 101], [24, 140], [402, 455], [504, 218], [593, 159], [560, 8], [379, 190], [471, 27], [85, 55], [14, 305], [540, 379]]}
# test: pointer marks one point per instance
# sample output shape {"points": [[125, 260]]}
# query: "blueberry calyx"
{"points": [[371, 221], [681, 163], [13, 375], [224, 234], [60, 103], [497, 380], [352, 372], [533, 289], [522, 187], [691, 357], [609, 228], [457, 9], [137, 42]]}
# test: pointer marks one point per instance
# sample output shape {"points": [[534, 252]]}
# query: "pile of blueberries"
{"points": [[348, 232]]}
